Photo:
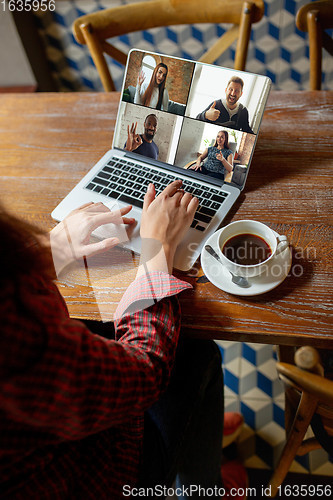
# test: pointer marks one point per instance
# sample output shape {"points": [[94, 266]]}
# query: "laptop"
{"points": [[173, 123]]}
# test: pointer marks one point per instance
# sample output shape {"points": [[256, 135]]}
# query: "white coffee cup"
{"points": [[275, 243]]}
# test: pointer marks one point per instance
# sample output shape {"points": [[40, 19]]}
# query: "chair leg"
{"points": [[315, 43], [304, 413], [98, 57], [244, 36]]}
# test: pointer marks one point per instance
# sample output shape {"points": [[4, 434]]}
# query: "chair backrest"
{"points": [[95, 29], [315, 17], [311, 395], [308, 375]]}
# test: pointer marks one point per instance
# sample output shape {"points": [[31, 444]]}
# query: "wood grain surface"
{"points": [[49, 141]]}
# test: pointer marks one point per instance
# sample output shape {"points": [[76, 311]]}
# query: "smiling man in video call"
{"points": [[143, 144], [229, 112]]}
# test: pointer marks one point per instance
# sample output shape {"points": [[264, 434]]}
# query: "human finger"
{"points": [[125, 210], [104, 218], [118, 215], [85, 205], [187, 197], [192, 206], [172, 188], [92, 210], [133, 126], [100, 246], [95, 208], [177, 197], [81, 207], [213, 105], [138, 139], [128, 220], [149, 196]]}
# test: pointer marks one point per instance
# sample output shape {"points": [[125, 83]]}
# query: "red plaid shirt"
{"points": [[71, 402]]}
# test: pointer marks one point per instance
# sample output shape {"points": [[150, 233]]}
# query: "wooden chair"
{"points": [[94, 29], [315, 17], [311, 395]]}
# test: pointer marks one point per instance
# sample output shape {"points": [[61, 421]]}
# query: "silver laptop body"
{"points": [[182, 133]]}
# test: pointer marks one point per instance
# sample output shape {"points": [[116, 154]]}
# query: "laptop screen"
{"points": [[191, 115]]}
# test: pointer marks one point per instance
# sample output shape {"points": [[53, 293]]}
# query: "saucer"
{"points": [[275, 272]]}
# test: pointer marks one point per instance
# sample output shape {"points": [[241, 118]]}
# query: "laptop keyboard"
{"points": [[126, 181]]}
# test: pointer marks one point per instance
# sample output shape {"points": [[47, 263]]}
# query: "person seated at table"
{"points": [[153, 94], [219, 158], [84, 416], [143, 144]]}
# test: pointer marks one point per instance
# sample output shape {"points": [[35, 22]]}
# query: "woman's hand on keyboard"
{"points": [[164, 222], [70, 239]]}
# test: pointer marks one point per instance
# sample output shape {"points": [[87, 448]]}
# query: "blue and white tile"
{"points": [[257, 353], [229, 350], [231, 375], [248, 377], [267, 379], [270, 440], [256, 412]]}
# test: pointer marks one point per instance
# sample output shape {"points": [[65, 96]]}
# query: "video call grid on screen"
{"points": [[183, 132]]}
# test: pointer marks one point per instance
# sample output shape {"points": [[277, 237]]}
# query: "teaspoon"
{"points": [[238, 280]]}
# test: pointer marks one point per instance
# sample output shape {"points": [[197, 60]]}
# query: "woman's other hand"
{"points": [[165, 220], [198, 164], [70, 239]]}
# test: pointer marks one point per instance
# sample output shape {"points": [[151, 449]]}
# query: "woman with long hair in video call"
{"points": [[153, 94], [219, 157]]}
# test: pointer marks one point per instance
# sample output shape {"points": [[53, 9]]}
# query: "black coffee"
{"points": [[246, 249]]}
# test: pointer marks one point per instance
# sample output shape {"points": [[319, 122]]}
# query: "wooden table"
{"points": [[49, 141]]}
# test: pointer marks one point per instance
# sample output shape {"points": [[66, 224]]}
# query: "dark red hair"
{"points": [[21, 250]]}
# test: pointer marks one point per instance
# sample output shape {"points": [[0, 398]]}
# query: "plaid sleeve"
{"points": [[148, 320], [68, 383], [147, 290]]}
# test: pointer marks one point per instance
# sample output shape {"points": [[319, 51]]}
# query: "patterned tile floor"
{"points": [[253, 388]]}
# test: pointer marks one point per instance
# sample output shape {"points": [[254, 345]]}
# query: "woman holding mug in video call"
{"points": [[153, 94], [219, 157]]}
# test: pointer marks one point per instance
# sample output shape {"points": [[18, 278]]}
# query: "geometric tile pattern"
{"points": [[252, 387], [277, 49]]}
